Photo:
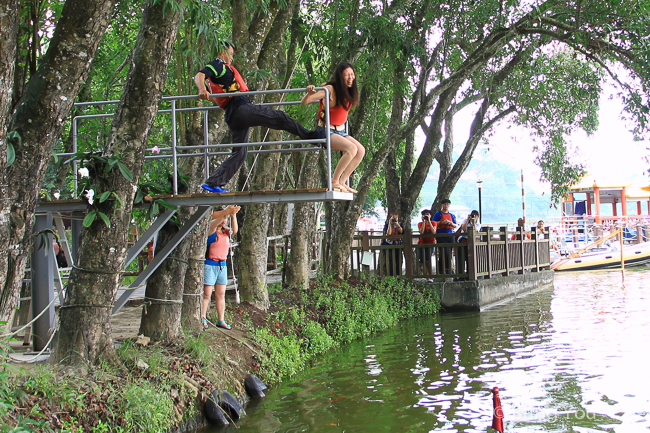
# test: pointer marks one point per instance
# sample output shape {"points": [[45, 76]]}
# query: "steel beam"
{"points": [[265, 197], [161, 256], [151, 232]]}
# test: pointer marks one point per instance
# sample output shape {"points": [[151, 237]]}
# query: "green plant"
{"points": [[146, 408]]}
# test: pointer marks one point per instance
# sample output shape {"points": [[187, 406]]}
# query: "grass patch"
{"points": [[330, 313]]}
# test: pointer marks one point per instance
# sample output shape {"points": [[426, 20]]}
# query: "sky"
{"points": [[609, 154]]}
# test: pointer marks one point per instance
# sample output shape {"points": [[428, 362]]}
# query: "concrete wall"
{"points": [[481, 294]]}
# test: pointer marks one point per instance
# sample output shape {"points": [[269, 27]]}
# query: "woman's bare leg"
{"points": [[349, 150], [207, 292], [220, 300], [356, 160]]}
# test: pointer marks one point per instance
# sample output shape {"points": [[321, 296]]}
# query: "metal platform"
{"points": [[211, 199]]}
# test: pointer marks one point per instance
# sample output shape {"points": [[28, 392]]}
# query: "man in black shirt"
{"points": [[240, 116]]}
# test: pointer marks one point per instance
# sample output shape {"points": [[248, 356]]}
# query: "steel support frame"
{"points": [[161, 256]]}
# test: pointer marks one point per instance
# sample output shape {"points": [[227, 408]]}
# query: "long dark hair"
{"points": [[346, 96]]}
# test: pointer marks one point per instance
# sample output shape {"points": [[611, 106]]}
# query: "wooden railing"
{"points": [[485, 254]]}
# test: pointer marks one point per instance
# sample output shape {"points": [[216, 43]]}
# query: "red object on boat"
{"points": [[497, 412]]}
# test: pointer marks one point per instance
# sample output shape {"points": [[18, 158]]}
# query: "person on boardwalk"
{"points": [[215, 274], [344, 95], [426, 227], [446, 224], [240, 116], [471, 221], [393, 236]]}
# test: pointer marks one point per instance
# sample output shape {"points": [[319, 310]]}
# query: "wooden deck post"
{"points": [[489, 253], [522, 236], [408, 253], [503, 233], [536, 239], [471, 254]]}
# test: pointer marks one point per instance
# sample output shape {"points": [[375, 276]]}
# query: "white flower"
{"points": [[155, 149], [89, 195], [83, 172], [56, 195]]}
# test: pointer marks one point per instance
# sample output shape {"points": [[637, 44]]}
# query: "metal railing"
{"points": [[175, 148]]}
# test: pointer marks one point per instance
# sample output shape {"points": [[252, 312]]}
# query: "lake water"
{"points": [[568, 358]]}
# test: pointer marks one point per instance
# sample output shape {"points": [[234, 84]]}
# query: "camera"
{"points": [[393, 219]]}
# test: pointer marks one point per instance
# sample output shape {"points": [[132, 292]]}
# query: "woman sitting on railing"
{"points": [[344, 95]]}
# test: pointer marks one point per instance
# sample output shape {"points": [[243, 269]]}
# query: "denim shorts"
{"points": [[321, 132], [215, 274]]}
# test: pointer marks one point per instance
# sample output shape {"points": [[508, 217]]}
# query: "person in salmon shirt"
{"points": [[215, 273]]}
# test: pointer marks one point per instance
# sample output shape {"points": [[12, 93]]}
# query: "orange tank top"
{"points": [[338, 114]]}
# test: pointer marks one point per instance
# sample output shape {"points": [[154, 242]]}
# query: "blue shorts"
{"points": [[215, 274], [321, 132]]}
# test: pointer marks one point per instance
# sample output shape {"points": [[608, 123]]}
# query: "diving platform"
{"points": [[212, 199]]}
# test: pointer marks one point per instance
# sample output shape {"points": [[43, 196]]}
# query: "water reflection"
{"points": [[569, 358]]}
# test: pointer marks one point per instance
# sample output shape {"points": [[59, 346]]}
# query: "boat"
{"points": [[605, 258]]}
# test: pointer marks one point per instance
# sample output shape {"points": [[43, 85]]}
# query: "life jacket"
{"points": [[237, 85]]}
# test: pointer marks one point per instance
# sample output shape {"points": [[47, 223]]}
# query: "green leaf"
{"points": [[104, 196], [11, 154], [139, 197], [90, 218], [119, 200], [125, 171], [104, 218], [155, 208], [163, 203]]}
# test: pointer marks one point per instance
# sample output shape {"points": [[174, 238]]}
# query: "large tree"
{"points": [[85, 335], [37, 121], [8, 31], [446, 48]]}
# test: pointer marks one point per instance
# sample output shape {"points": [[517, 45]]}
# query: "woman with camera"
{"points": [[393, 231], [426, 227], [471, 221]]}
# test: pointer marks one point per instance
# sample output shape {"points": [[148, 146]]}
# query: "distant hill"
{"points": [[501, 191]]}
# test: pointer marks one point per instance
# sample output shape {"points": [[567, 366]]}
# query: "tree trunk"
{"points": [[85, 335], [166, 286], [8, 30], [38, 119], [161, 320], [298, 266]]}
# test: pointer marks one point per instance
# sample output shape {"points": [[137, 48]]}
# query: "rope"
{"points": [[231, 252], [178, 259], [302, 49], [144, 304], [85, 306], [162, 301], [96, 271], [28, 361]]}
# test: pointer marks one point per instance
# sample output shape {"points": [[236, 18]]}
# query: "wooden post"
{"points": [[506, 247], [536, 239], [521, 242], [489, 253], [471, 254], [408, 254]]}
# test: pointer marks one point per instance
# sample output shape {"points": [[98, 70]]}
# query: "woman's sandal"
{"points": [[223, 325], [338, 187], [204, 322], [352, 190]]}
